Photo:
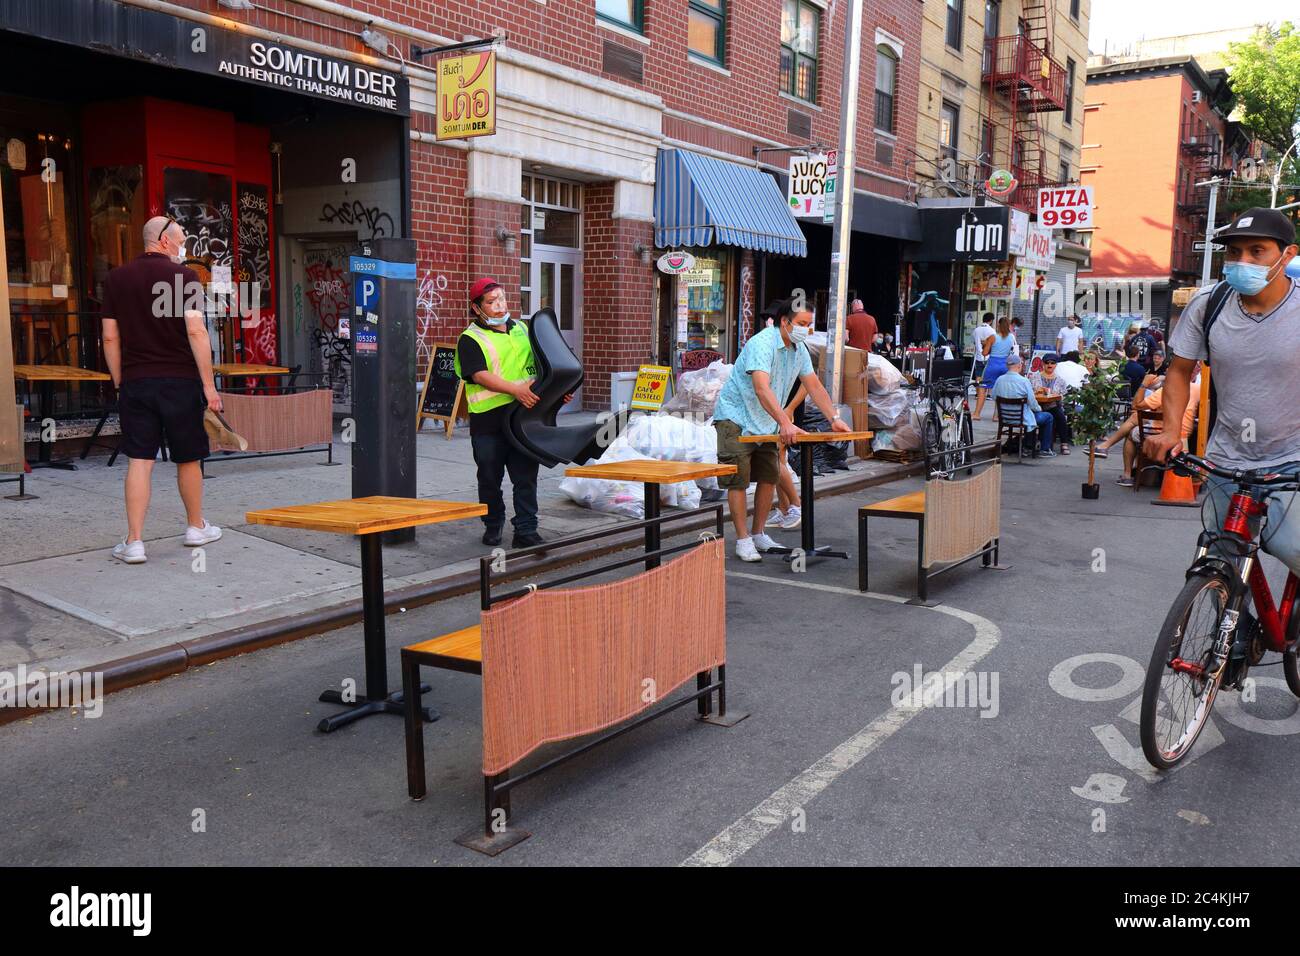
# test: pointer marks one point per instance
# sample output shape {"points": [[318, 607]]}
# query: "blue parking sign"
{"points": [[365, 297]]}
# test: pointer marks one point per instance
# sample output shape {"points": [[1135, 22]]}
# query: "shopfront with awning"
{"points": [[710, 209]]}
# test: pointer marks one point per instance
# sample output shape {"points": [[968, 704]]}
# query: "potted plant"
{"points": [[1092, 415]]}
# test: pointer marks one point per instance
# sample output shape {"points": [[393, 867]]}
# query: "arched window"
{"points": [[886, 87]]}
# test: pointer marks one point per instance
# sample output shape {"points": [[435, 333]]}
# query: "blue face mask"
{"points": [[495, 321], [798, 333], [1247, 277]]}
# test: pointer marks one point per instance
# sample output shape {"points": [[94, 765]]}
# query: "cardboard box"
{"points": [[861, 447]]}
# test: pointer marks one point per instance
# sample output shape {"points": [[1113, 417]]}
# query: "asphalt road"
{"points": [[1044, 769]]}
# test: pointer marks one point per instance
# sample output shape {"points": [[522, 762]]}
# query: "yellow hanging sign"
{"points": [[467, 96]]}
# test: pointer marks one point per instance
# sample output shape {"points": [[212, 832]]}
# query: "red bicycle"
{"points": [[1211, 638]]}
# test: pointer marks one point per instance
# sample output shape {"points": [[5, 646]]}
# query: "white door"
{"points": [[552, 257]]}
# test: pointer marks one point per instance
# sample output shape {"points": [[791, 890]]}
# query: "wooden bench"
{"points": [[975, 501], [568, 688]]}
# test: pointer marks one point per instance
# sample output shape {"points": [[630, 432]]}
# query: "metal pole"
{"points": [[1208, 254], [1277, 176], [842, 232]]}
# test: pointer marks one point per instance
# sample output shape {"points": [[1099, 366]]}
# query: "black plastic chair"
{"points": [[559, 373]]}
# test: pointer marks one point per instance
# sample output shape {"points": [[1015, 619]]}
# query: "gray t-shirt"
{"points": [[1255, 368]]}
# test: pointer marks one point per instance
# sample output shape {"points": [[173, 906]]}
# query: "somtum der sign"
{"points": [[467, 96]]}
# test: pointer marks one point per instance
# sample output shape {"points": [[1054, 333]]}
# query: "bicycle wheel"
{"points": [[1289, 664], [932, 432], [1176, 702]]}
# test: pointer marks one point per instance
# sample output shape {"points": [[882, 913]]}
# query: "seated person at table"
{"points": [[1012, 384], [769, 365], [1050, 389], [1154, 402], [1150, 399], [1070, 370], [1134, 371]]}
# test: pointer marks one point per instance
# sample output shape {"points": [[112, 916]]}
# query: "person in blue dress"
{"points": [[996, 349]]}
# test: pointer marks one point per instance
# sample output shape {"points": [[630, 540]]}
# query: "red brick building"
{"points": [[1153, 129], [559, 204]]}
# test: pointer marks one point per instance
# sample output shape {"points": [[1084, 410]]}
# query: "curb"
{"points": [[172, 659]]}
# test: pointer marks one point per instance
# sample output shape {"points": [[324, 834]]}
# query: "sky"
{"points": [[1119, 22]]}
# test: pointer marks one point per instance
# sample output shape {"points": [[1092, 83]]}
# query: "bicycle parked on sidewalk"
{"points": [[1210, 638], [947, 432]]}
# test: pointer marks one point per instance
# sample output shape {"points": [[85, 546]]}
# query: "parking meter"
{"points": [[383, 372]]}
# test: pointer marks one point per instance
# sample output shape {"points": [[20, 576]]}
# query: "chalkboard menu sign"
{"points": [[443, 397]]}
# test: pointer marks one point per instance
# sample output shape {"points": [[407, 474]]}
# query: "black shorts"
{"points": [[154, 409]]}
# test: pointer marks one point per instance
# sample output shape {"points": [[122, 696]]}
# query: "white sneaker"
{"points": [[775, 518], [197, 537], [763, 543], [745, 550], [130, 552], [793, 518]]}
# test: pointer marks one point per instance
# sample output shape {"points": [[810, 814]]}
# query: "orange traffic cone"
{"points": [[1177, 490]]}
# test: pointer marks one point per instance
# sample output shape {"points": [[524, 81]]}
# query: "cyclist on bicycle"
{"points": [[1253, 349]]}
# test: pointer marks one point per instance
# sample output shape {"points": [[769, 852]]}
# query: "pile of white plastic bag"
{"points": [[661, 437]]}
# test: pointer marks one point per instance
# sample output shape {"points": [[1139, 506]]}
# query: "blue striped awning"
{"points": [[700, 201]]}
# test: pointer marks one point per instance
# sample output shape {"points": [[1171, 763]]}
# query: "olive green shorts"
{"points": [[754, 461]]}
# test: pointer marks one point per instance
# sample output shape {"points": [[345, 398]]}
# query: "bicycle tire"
{"points": [[1169, 644], [1290, 667]]}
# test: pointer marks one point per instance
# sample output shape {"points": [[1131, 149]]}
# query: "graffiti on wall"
{"points": [[746, 304], [328, 299], [428, 300], [371, 221]]}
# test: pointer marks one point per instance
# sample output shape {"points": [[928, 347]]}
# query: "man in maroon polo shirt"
{"points": [[161, 363], [861, 326]]}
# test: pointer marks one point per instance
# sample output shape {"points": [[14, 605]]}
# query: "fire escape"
{"points": [[1201, 150], [1021, 81]]}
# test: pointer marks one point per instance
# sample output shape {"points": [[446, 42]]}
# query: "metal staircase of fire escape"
{"points": [[1026, 101]]}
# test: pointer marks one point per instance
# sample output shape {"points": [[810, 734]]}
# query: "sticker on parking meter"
{"points": [[365, 338]]}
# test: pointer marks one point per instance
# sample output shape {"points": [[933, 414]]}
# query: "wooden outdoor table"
{"points": [[45, 376], [807, 539], [366, 518], [240, 370], [652, 474], [248, 370]]}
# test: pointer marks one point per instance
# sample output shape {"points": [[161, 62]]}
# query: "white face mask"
{"points": [[180, 255], [798, 333]]}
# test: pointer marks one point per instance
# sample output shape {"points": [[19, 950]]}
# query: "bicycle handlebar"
{"points": [[1188, 463]]}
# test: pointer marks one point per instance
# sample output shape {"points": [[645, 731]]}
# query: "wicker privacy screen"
{"points": [[281, 422], [559, 664], [961, 516]]}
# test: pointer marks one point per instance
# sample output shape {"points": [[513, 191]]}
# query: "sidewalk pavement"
{"points": [[67, 604]]}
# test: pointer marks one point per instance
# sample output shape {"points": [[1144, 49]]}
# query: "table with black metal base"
{"points": [[45, 376], [367, 518], [652, 474], [808, 551]]}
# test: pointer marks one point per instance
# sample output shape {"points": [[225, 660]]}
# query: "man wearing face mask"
{"points": [[768, 366], [160, 358], [495, 359], [1253, 349]]}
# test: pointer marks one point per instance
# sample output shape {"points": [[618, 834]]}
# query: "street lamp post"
{"points": [[1277, 176], [833, 364]]}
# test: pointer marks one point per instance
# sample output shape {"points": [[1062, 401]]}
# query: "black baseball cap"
{"points": [[1259, 221]]}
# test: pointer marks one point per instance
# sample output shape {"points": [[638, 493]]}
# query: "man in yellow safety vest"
{"points": [[495, 359]]}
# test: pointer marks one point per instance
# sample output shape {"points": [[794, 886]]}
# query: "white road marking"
{"points": [[745, 833]]}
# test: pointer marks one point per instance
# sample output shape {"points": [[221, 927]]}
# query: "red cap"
{"points": [[482, 287]]}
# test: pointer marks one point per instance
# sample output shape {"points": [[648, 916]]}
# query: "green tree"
{"points": [[1264, 74]]}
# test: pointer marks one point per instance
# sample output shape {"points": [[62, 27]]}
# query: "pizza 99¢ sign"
{"points": [[1065, 207]]}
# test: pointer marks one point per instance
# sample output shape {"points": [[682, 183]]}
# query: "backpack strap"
{"points": [[1218, 299]]}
